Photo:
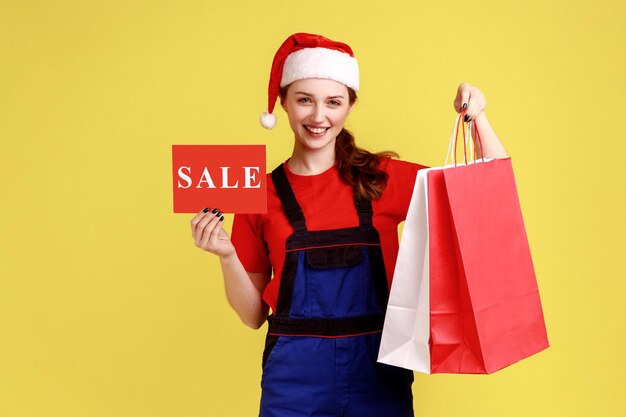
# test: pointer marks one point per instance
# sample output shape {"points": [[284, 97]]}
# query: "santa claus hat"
{"points": [[304, 55]]}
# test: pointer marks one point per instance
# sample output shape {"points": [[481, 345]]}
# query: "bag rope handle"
{"points": [[470, 130]]}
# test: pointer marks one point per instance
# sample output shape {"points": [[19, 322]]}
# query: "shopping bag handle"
{"points": [[470, 130]]}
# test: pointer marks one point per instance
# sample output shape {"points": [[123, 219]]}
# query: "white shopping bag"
{"points": [[407, 322]]}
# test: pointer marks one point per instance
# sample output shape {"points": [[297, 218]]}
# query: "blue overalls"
{"points": [[323, 339]]}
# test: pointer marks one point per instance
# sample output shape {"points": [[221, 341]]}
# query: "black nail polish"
{"points": [[214, 210], [219, 213], [222, 218], [464, 105], [205, 210], [467, 117]]}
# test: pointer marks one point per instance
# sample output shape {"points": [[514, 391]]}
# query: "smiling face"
{"points": [[317, 110]]}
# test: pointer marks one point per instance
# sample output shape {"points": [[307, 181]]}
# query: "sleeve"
{"points": [[251, 248], [400, 184]]}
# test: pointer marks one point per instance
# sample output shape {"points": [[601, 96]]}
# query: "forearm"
{"points": [[491, 145], [243, 296]]}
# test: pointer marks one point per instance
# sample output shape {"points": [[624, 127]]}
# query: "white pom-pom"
{"points": [[268, 121]]}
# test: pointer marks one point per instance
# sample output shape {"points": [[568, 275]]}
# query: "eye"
{"points": [[303, 99], [335, 102]]}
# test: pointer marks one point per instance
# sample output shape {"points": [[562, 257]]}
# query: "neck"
{"points": [[311, 162]]}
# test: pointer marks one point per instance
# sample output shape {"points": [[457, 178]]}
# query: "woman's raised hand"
{"points": [[473, 98], [206, 229]]}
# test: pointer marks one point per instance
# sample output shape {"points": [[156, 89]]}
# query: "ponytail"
{"points": [[359, 167]]}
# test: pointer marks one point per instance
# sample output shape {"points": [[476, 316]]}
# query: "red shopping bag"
{"points": [[485, 309]]}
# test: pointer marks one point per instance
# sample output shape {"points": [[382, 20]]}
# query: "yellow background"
{"points": [[106, 306]]}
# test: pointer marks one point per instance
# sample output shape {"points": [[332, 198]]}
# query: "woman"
{"points": [[330, 237]]}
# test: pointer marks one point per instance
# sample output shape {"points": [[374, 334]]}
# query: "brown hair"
{"points": [[357, 166]]}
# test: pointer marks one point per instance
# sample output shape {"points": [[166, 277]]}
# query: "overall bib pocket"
{"points": [[333, 282]]}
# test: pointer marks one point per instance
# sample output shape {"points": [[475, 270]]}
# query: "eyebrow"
{"points": [[311, 95]]}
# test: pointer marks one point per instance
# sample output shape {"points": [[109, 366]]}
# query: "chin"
{"points": [[316, 143]]}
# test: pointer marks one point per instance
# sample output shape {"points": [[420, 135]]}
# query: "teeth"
{"points": [[316, 129]]}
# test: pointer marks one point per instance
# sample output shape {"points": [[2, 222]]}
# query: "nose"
{"points": [[318, 115]]}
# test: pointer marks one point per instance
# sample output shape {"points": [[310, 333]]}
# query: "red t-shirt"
{"points": [[327, 203]]}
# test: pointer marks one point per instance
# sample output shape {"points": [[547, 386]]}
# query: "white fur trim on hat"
{"points": [[321, 63]]}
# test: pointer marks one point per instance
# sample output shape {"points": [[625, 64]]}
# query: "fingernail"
{"points": [[219, 213], [205, 210], [464, 105], [467, 117], [222, 218], [214, 210]]}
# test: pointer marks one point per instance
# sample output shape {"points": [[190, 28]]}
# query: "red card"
{"points": [[229, 177]]}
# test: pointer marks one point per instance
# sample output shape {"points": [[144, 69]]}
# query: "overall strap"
{"points": [[364, 210], [288, 199]]}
